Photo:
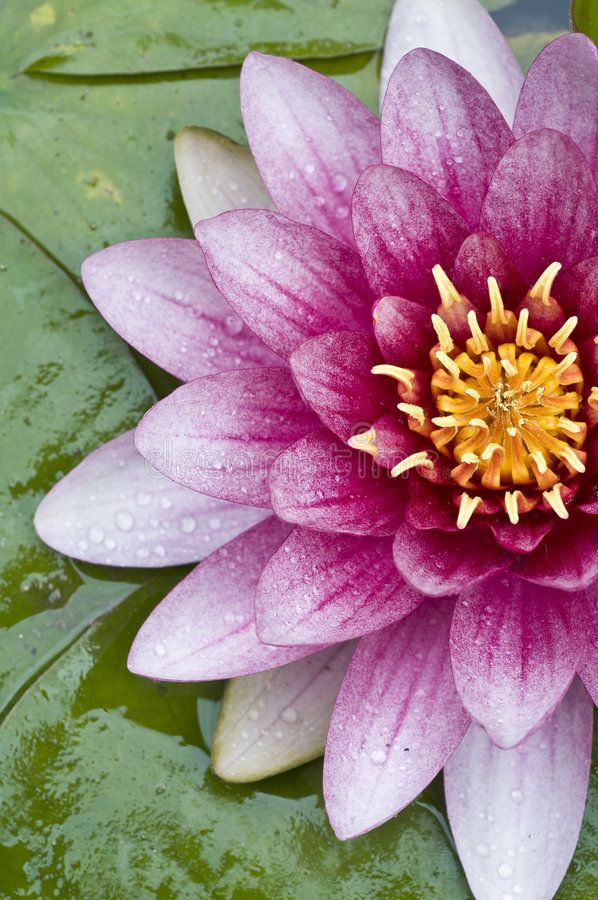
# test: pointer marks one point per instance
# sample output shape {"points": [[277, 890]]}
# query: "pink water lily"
{"points": [[386, 440]]}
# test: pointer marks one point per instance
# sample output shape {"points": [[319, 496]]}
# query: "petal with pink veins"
{"points": [[588, 664], [514, 648], [220, 434], [404, 331], [567, 558], [577, 292], [289, 282], [523, 537], [216, 175], [204, 629], [320, 483], [463, 31], [439, 123], [398, 718], [114, 509], [542, 204], [480, 256], [516, 814], [403, 228], [160, 297], [330, 587], [559, 92], [310, 138], [334, 375], [273, 721], [438, 562]]}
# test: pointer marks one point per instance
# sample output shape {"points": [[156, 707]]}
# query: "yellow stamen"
{"points": [[365, 441], [410, 462], [568, 454], [416, 412], [554, 499], [509, 368], [512, 432], [473, 393], [565, 331], [404, 376], [479, 339], [511, 505], [470, 458], [449, 364], [445, 421], [478, 423], [543, 286], [490, 450], [449, 295], [521, 336], [569, 426], [497, 307], [444, 336], [467, 507], [564, 364], [538, 458]]}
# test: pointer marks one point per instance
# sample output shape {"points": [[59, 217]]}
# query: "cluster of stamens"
{"points": [[507, 404]]}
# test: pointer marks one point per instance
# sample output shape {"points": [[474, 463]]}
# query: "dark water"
{"points": [[533, 15]]}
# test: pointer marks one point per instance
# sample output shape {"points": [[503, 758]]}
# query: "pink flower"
{"points": [[431, 468]]}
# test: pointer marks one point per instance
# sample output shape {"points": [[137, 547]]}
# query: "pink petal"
{"points": [[216, 175], [114, 509], [542, 204], [205, 628], [479, 257], [311, 140], [403, 228], [323, 484], [397, 720], [567, 558], [220, 434], [334, 375], [429, 507], [273, 721], [588, 664], [289, 282], [577, 292], [560, 92], [523, 537], [516, 814], [439, 123], [404, 331], [514, 648], [463, 31], [439, 563], [159, 296], [328, 588]]}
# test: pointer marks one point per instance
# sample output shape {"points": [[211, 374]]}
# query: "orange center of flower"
{"points": [[509, 404]]}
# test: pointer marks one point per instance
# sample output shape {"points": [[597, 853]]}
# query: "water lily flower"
{"points": [[386, 437]]}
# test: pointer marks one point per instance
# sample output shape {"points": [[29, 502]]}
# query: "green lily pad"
{"points": [[584, 14], [108, 793], [92, 37]]}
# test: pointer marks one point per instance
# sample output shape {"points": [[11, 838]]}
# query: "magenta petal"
{"points": [[310, 138], [334, 375], [480, 256], [289, 282], [542, 204], [516, 814], [220, 434], [463, 31], [588, 664], [567, 558], [430, 507], [114, 509], [397, 720], [404, 331], [205, 628], [438, 563], [577, 292], [403, 228], [322, 484], [514, 648], [523, 537], [159, 296], [560, 92], [439, 123], [330, 587]]}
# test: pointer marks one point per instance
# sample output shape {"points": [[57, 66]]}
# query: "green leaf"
{"points": [[67, 384], [92, 37], [584, 14], [108, 793], [85, 165]]}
